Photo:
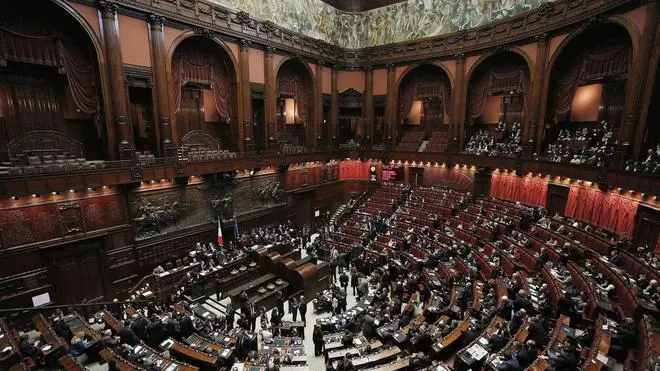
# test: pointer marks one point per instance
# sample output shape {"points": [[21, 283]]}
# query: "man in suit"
{"points": [[280, 302], [172, 327], [527, 354], [186, 327], [155, 332], [139, 326], [517, 321], [506, 307], [127, 335], [565, 305], [303, 309]]}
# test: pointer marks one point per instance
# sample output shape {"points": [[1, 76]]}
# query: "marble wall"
{"points": [[408, 20]]}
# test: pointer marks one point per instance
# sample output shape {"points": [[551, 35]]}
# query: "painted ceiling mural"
{"points": [[408, 20]]}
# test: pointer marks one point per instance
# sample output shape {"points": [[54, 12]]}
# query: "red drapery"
{"points": [[613, 212], [195, 65], [496, 80], [591, 65], [425, 86], [26, 40], [526, 190]]}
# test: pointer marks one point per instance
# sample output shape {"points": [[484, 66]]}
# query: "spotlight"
{"points": [[71, 190], [15, 198]]}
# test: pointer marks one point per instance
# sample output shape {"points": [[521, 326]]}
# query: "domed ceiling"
{"points": [[401, 21]]}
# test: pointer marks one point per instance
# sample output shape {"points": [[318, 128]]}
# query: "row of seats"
{"points": [[195, 154]]}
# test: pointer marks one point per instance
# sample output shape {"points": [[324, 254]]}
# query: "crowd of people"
{"points": [[508, 144], [650, 165], [583, 146]]}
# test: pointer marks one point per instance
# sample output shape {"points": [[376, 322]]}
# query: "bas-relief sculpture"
{"points": [[160, 212], [408, 20]]}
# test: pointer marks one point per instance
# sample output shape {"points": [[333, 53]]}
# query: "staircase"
{"points": [[337, 214]]}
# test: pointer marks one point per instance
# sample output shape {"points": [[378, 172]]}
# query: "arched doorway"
{"points": [[50, 87], [587, 87], [424, 109], [497, 96], [295, 104], [204, 91]]}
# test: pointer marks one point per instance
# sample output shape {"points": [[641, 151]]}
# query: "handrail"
{"points": [[66, 306]]}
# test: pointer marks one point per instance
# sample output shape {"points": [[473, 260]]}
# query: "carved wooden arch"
{"points": [[485, 57], [635, 39], [411, 68], [168, 71], [102, 70], [298, 61], [200, 138]]}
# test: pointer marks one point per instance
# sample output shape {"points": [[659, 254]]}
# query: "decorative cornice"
{"points": [[368, 68], [269, 50], [519, 29], [542, 39], [201, 31], [244, 43], [460, 57]]}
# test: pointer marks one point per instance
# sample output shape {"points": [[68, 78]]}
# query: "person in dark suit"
{"points": [[317, 336], [28, 349], [498, 341], [527, 354], [506, 307], [565, 305], [302, 308], [516, 321], [127, 335], [139, 326], [280, 302], [537, 332], [565, 361], [231, 314], [62, 329], [623, 340], [172, 327], [155, 332], [186, 327]]}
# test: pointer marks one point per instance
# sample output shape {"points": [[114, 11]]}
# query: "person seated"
{"points": [[127, 335], [80, 343]]}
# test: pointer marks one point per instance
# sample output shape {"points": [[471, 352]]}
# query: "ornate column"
{"points": [[634, 90], [368, 113], [270, 100], [531, 130], [245, 127], [651, 43], [318, 104], [161, 88], [334, 106], [390, 108], [108, 10], [458, 110]]}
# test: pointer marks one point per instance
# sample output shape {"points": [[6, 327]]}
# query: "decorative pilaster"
{"points": [[108, 10], [161, 88], [245, 132], [458, 111], [390, 107], [532, 131], [650, 47], [334, 106], [318, 104], [270, 100], [368, 113]]}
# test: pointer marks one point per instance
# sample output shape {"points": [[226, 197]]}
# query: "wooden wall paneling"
{"points": [[557, 198], [647, 227]]}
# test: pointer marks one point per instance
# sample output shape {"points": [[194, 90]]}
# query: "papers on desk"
{"points": [[477, 352], [166, 344], [171, 367], [483, 340], [46, 348], [225, 353], [7, 349], [602, 358]]}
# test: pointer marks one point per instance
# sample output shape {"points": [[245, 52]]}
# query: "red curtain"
{"points": [[504, 80], [613, 212], [192, 64], [526, 190]]}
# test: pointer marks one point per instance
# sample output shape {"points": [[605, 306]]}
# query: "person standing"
{"points": [[317, 336], [293, 308], [303, 309], [354, 279], [343, 280]]}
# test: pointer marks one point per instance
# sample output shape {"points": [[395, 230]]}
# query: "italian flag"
{"points": [[221, 241]]}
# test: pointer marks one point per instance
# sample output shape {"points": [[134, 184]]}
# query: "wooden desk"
{"points": [[199, 342], [397, 365], [356, 351], [162, 362], [452, 337], [112, 322], [44, 328], [69, 364], [123, 365], [77, 324], [376, 358], [188, 354]]}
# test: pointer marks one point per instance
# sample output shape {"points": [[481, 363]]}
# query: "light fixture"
{"points": [[71, 190]]}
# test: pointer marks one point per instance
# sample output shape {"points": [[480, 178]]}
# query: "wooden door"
{"points": [[77, 273]]}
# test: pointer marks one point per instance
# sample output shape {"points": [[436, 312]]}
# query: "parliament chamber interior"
{"points": [[295, 185]]}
